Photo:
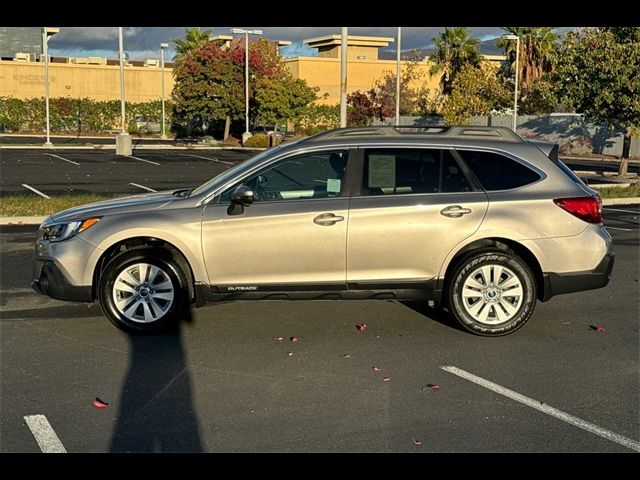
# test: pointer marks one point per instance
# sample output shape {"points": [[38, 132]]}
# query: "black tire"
{"points": [[153, 256], [470, 264]]}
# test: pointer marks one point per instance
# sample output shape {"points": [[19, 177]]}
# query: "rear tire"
{"points": [[491, 293], [143, 290]]}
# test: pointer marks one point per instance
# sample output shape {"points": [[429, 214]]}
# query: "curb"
{"points": [[621, 201], [15, 221]]}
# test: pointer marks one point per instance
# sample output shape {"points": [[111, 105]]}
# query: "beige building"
{"points": [[97, 78], [364, 67], [94, 80]]}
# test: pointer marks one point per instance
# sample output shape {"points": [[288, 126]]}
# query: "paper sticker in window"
{"points": [[333, 185], [382, 171]]}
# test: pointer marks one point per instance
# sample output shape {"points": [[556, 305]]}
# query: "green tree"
{"points": [[537, 54], [598, 74], [475, 91], [194, 39], [454, 50], [209, 85]]}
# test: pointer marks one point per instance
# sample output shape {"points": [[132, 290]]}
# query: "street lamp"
{"points": [[123, 140], [162, 47], [398, 78], [515, 93], [344, 43], [47, 32], [246, 33]]}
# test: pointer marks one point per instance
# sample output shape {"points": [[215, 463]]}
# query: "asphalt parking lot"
{"points": [[224, 382], [102, 171]]}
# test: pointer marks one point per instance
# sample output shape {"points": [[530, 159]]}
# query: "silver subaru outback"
{"points": [[472, 219]]}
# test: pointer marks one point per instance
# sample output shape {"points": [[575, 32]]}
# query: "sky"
{"points": [[144, 42]]}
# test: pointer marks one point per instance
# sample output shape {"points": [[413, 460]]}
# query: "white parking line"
{"points": [[143, 187], [620, 210], [66, 160], [141, 159], [618, 228], [207, 158], [554, 412], [36, 191], [45, 435]]}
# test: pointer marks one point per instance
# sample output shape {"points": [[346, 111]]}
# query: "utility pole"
{"points": [[398, 78], [343, 78], [123, 139]]}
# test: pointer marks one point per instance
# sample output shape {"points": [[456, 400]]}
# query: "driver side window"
{"points": [[305, 176]]}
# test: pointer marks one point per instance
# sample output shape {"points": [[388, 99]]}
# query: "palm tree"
{"points": [[537, 52], [194, 39], [454, 50]]}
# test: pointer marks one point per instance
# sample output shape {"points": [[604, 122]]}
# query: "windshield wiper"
{"points": [[185, 192]]}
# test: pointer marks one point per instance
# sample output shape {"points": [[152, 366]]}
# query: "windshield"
{"points": [[235, 170]]}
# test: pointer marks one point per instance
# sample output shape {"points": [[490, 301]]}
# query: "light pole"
{"points": [[246, 33], [46, 32], [398, 78], [162, 47], [515, 93], [123, 140], [343, 78]]}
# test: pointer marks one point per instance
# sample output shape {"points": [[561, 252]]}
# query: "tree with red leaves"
{"points": [[209, 85]]}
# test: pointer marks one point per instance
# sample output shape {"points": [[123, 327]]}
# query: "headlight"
{"points": [[62, 231]]}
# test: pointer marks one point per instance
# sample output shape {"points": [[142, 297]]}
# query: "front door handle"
{"points": [[327, 219], [454, 211]]}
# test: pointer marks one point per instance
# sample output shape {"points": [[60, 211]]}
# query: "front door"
{"points": [[293, 233], [414, 206]]}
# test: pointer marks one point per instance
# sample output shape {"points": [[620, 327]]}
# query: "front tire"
{"points": [[143, 290], [492, 293]]}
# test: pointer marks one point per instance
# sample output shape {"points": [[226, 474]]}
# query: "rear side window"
{"points": [[497, 172], [396, 171]]}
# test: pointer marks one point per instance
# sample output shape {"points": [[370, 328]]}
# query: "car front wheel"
{"points": [[143, 290]]}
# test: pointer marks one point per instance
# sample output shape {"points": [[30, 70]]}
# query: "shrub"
{"points": [[258, 141]]}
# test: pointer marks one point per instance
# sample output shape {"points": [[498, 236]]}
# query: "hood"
{"points": [[145, 201]]}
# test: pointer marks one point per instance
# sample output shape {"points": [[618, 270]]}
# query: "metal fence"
{"points": [[573, 134]]}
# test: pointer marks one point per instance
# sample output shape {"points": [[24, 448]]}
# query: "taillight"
{"points": [[588, 209]]}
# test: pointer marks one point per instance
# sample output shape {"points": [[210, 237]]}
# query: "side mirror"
{"points": [[242, 195], [240, 198]]}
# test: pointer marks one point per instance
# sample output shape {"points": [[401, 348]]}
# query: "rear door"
{"points": [[412, 207]]}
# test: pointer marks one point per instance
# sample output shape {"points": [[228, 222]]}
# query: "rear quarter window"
{"points": [[498, 172]]}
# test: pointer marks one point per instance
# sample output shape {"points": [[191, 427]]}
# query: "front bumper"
{"points": [[52, 282], [558, 284]]}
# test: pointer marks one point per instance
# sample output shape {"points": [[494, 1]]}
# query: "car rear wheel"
{"points": [[143, 290], [492, 293]]}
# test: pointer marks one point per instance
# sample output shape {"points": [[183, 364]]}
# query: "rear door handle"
{"points": [[454, 211], [327, 219]]}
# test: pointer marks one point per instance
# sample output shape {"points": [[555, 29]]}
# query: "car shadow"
{"points": [[439, 315], [156, 412]]}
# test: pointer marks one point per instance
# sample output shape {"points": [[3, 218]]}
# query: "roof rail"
{"points": [[457, 131]]}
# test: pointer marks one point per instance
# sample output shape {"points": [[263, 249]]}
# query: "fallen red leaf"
{"points": [[362, 327], [431, 386], [416, 441], [100, 403], [597, 328], [385, 379], [293, 339]]}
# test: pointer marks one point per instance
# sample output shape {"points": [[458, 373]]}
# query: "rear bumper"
{"points": [[53, 283], [558, 284]]}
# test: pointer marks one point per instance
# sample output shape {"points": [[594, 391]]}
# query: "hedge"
{"points": [[78, 115], [257, 141]]}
